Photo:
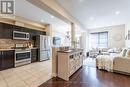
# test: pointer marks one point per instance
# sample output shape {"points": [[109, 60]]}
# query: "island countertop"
{"points": [[71, 51]]}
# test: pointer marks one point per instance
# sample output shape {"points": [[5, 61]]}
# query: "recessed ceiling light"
{"points": [[42, 20], [81, 0], [117, 12], [52, 16], [91, 18], [113, 22]]}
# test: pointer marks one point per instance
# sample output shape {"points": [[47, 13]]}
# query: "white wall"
{"points": [[84, 41], [60, 35], [116, 35], [61, 31]]}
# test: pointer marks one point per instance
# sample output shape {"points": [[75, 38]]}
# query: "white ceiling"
{"points": [[27, 10], [98, 13]]}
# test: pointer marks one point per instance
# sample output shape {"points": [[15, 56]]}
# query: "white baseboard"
{"points": [[54, 75]]}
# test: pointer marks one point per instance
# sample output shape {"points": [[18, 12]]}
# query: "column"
{"points": [[49, 30], [72, 34]]}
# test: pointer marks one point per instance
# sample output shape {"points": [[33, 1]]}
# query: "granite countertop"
{"points": [[7, 49], [34, 48], [70, 51]]}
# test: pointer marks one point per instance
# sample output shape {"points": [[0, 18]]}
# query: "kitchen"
{"points": [[27, 51], [24, 51], [22, 45]]}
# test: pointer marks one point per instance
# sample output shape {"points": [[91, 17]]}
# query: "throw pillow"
{"points": [[110, 50], [123, 52], [128, 53]]}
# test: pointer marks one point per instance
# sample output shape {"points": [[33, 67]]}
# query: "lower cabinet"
{"points": [[6, 59], [69, 63], [75, 63], [72, 66], [34, 55]]}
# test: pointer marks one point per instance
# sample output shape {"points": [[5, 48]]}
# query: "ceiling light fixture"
{"points": [[117, 12], [113, 23], [52, 16], [80, 0], [91, 18], [42, 20]]}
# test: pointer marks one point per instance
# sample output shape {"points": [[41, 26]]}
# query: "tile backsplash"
{"points": [[9, 43]]}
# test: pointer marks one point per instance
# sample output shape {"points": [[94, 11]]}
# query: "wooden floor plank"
{"points": [[91, 77]]}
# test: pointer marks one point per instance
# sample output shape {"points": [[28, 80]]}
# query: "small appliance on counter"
{"points": [[29, 45], [22, 55]]}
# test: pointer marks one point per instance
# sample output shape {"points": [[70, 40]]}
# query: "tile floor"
{"points": [[31, 75]]}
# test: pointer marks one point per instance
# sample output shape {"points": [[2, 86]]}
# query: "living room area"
{"points": [[109, 49]]}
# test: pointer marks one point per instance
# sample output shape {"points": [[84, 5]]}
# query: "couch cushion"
{"points": [[110, 50], [123, 52], [128, 53]]}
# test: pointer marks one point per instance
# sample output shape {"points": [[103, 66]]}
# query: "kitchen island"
{"points": [[69, 62]]}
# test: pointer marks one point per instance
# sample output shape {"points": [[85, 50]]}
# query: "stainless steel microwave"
{"points": [[21, 35]]}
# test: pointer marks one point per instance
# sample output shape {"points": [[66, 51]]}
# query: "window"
{"points": [[99, 40]]}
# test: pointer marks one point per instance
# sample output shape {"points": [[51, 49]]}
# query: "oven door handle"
{"points": [[23, 52]]}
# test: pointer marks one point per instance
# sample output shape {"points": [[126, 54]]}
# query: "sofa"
{"points": [[94, 52], [121, 62], [121, 65]]}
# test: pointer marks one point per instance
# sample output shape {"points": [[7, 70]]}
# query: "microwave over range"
{"points": [[21, 35]]}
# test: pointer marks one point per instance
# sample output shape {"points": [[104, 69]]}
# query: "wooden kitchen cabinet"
{"points": [[6, 59], [18, 28], [34, 55], [6, 31], [33, 33]]}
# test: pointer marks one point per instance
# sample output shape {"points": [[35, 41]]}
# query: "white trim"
{"points": [[54, 75]]}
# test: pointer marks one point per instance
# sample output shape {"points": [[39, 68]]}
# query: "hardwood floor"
{"points": [[91, 77]]}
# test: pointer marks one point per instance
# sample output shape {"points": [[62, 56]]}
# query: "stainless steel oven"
{"points": [[21, 35], [22, 57]]}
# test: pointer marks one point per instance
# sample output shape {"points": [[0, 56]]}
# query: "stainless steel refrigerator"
{"points": [[43, 43]]}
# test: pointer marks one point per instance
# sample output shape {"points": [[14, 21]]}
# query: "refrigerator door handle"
{"points": [[44, 43]]}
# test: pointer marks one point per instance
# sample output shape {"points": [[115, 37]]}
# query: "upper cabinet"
{"points": [[6, 31], [17, 28]]}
